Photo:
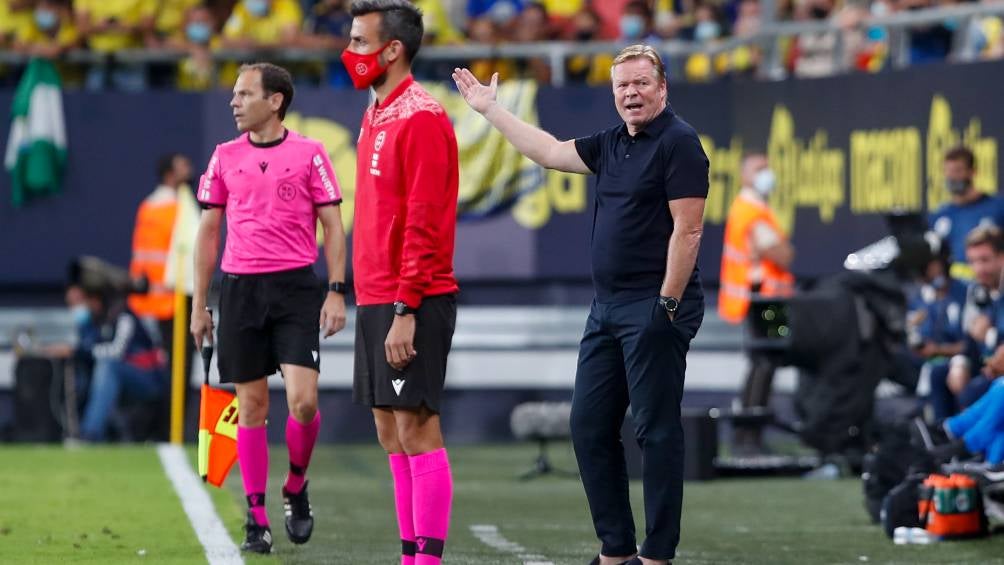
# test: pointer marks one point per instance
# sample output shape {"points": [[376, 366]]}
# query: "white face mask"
{"points": [[764, 182]]}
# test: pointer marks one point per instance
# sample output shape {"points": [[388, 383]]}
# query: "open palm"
{"points": [[478, 96]]}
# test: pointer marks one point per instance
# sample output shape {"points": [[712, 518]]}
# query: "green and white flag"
{"points": [[36, 148]]}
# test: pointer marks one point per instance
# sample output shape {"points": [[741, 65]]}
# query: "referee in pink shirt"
{"points": [[272, 185]]}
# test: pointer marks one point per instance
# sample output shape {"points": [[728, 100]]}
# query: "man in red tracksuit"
{"points": [[405, 224]]}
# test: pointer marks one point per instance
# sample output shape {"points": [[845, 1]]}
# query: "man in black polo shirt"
{"points": [[648, 303]]}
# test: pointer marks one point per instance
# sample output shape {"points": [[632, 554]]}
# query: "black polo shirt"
{"points": [[636, 177]]}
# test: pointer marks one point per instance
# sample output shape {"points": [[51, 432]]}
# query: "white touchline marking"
{"points": [[490, 536], [220, 549]]}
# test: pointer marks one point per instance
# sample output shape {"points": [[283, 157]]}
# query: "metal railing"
{"points": [[898, 27]]}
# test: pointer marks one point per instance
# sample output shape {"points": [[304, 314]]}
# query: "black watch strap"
{"points": [[670, 303], [402, 309], [339, 287]]}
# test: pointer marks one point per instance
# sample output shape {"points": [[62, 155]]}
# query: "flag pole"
{"points": [[179, 363]]}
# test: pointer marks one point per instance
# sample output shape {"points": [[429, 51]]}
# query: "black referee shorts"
{"points": [[266, 320], [376, 383]]}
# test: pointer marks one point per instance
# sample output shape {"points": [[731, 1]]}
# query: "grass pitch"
{"points": [[115, 505]]}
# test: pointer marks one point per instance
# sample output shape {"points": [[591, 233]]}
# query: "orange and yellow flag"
{"points": [[217, 434]]}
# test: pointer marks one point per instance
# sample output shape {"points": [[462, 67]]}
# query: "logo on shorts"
{"points": [[287, 192], [314, 353], [398, 385]]}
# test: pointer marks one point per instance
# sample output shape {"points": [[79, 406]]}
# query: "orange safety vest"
{"points": [[734, 292], [151, 241]]}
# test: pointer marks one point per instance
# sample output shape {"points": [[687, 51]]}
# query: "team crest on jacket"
{"points": [[378, 142], [287, 192]]}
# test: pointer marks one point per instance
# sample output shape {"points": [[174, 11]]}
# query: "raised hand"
{"points": [[480, 97]]}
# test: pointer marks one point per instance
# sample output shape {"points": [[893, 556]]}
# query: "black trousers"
{"points": [[632, 354]]}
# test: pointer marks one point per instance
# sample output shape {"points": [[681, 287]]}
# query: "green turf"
{"points": [[103, 505], [90, 505], [750, 521]]}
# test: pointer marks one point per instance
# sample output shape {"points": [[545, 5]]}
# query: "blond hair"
{"points": [[986, 235], [641, 51]]}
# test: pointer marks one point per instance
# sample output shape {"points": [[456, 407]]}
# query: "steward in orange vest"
{"points": [[151, 240], [757, 253]]}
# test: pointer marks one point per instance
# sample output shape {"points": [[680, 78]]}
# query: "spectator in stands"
{"points": [[256, 24], [195, 72], [108, 27], [486, 30], [589, 69], [501, 11], [327, 27], [851, 18], [985, 37], [169, 21], [982, 320], [707, 29], [815, 52], [50, 33], [746, 59], [14, 15], [562, 10], [968, 208], [610, 12], [671, 16], [261, 24], [930, 43], [637, 24], [439, 30], [533, 25]]}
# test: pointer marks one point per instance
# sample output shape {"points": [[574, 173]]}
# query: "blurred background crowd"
{"points": [[193, 44]]}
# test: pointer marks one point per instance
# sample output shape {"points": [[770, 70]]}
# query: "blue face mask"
{"points": [[632, 26], [46, 19], [706, 31], [81, 314], [258, 8], [198, 32]]}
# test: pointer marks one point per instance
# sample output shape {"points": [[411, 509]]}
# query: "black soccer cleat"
{"points": [[257, 539], [299, 517]]}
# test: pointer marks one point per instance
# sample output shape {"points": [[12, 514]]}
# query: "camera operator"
{"points": [[127, 364]]}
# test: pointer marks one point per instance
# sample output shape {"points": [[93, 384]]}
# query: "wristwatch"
{"points": [[338, 287], [669, 303], [402, 309]]}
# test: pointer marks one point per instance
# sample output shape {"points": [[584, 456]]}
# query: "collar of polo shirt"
{"points": [[653, 128]]}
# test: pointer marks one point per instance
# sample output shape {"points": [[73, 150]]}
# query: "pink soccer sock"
{"points": [[252, 452], [400, 469], [433, 496], [300, 440]]}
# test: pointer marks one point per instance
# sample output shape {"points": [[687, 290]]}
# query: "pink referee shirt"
{"points": [[271, 193]]}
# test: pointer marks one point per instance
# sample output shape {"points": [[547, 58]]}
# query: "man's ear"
{"points": [[275, 100], [395, 50]]}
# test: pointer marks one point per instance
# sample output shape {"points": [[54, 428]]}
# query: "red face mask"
{"points": [[364, 69]]}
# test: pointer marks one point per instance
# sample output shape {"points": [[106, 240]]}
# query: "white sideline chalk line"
{"points": [[490, 536], [220, 549]]}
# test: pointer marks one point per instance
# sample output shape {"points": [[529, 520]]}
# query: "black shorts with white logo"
{"points": [[266, 320], [376, 383]]}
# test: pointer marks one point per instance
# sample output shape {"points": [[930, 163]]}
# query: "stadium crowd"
{"points": [[196, 29]]}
